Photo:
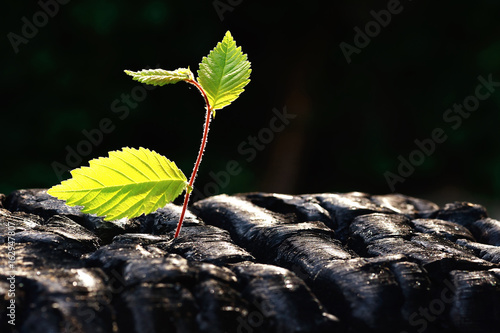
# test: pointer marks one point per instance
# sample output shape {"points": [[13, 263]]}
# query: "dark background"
{"points": [[352, 120]]}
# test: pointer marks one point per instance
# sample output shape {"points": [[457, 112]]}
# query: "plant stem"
{"points": [[200, 155]]}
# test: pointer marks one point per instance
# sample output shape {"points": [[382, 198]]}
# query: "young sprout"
{"points": [[131, 182]]}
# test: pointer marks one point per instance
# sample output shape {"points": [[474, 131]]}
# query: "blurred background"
{"points": [[338, 95]]}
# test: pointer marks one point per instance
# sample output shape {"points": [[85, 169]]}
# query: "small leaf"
{"points": [[128, 183], [224, 73], [161, 77]]}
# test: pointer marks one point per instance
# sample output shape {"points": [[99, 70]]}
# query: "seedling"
{"points": [[131, 182]]}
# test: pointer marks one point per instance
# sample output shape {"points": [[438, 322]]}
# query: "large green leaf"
{"points": [[161, 77], [128, 183], [224, 73]]}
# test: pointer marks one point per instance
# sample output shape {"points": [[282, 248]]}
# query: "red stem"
{"points": [[200, 155]]}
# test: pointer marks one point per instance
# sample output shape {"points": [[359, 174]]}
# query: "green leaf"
{"points": [[128, 183], [224, 73], [161, 77]]}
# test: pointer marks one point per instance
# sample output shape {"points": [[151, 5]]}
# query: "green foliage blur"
{"points": [[352, 120]]}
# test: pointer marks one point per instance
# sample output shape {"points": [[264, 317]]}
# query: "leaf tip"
{"points": [[51, 191], [56, 192]]}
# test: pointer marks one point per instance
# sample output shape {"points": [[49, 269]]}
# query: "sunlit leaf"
{"points": [[128, 183], [160, 77], [224, 73]]}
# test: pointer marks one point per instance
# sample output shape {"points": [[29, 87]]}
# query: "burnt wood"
{"points": [[256, 262]]}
